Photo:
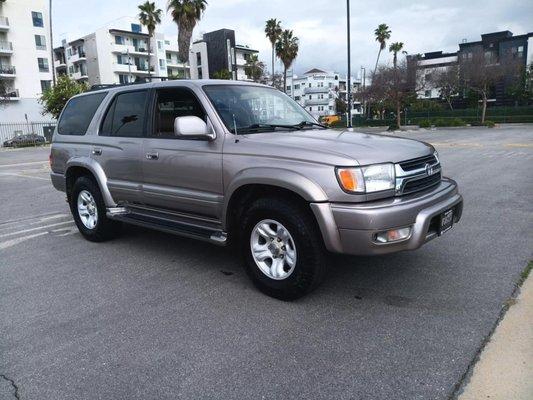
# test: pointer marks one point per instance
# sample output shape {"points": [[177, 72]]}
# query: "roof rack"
{"points": [[137, 82]]}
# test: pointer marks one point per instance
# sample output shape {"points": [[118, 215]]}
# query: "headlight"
{"points": [[369, 179]]}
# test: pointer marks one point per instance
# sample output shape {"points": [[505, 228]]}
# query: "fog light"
{"points": [[393, 235]]}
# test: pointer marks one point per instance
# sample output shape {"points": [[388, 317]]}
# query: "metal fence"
{"points": [[11, 130]]}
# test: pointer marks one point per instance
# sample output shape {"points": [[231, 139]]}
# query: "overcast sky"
{"points": [[321, 25]]}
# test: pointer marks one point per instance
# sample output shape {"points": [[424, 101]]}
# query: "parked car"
{"points": [[243, 164], [25, 140]]}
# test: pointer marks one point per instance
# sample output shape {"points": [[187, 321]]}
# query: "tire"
{"points": [[304, 248], [103, 228]]}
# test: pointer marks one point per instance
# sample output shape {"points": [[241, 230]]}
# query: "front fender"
{"points": [[279, 177], [98, 173]]}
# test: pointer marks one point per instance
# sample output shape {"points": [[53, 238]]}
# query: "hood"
{"points": [[329, 146]]}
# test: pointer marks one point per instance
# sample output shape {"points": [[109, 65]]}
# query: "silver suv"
{"points": [[241, 163]]}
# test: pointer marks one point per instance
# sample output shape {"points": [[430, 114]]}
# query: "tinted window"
{"points": [[126, 115], [172, 103], [78, 114]]}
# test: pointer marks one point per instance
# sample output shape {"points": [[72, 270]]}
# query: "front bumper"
{"points": [[351, 228]]}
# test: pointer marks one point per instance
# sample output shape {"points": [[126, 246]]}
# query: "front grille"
{"points": [[418, 163], [426, 182]]}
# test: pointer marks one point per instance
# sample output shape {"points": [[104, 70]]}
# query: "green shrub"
{"points": [[490, 124], [393, 127], [456, 122], [424, 123]]}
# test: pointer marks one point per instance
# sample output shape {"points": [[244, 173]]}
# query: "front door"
{"points": [[180, 174], [118, 147]]}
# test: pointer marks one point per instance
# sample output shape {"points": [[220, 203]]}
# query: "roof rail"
{"points": [[137, 82]]}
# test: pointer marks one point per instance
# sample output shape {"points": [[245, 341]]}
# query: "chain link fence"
{"points": [[26, 133]]}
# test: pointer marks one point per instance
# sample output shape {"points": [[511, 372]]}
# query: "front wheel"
{"points": [[283, 249], [89, 211]]}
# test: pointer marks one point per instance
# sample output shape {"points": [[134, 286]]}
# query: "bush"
{"points": [[393, 127], [424, 123], [490, 124]]}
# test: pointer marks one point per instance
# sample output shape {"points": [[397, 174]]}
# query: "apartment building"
{"points": [[25, 66], [497, 47], [119, 52], [317, 90], [218, 51]]}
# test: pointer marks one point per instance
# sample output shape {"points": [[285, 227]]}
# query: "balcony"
{"points": [[60, 64], [80, 75], [12, 95], [7, 71], [124, 67], [77, 57], [6, 48], [4, 24], [126, 49], [309, 90]]}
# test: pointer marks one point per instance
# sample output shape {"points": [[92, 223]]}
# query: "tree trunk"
{"points": [[284, 79], [149, 57], [398, 115], [184, 40], [377, 61], [449, 103], [273, 57], [484, 108]]}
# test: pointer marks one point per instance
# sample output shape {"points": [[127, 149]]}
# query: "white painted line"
{"points": [[22, 164], [36, 229], [24, 176], [13, 242], [33, 219]]}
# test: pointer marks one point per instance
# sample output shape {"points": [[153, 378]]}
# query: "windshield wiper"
{"points": [[303, 124], [258, 127]]}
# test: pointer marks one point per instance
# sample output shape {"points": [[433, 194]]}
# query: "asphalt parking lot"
{"points": [[152, 316]]}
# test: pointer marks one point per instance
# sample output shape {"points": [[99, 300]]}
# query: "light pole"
{"points": [[348, 78], [51, 43], [363, 80]]}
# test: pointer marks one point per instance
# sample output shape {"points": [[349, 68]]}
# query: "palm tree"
{"points": [[185, 13], [286, 50], [395, 48], [382, 34], [254, 68], [273, 32], [149, 16]]}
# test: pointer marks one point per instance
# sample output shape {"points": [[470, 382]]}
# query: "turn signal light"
{"points": [[393, 235]]}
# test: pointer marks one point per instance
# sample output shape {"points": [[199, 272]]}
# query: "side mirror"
{"points": [[192, 127]]}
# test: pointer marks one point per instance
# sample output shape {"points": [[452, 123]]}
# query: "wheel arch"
{"points": [[84, 166]]}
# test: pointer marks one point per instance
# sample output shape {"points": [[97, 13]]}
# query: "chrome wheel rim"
{"points": [[87, 209], [273, 249]]}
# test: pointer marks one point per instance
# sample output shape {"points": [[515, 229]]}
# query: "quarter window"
{"points": [[173, 103], [78, 113], [126, 115]]}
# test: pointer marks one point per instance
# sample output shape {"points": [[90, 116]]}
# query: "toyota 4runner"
{"points": [[234, 162]]}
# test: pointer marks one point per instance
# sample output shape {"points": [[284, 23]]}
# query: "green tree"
{"points": [[222, 74], [150, 17], [273, 32], [382, 34], [186, 13], [54, 99], [254, 68], [287, 50]]}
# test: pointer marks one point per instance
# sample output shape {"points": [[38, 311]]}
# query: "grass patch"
{"points": [[525, 273]]}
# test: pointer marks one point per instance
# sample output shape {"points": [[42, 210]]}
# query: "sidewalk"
{"points": [[505, 367]]}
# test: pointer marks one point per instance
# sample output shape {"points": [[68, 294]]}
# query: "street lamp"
{"points": [[348, 79]]}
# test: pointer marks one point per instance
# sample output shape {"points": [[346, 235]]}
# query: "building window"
{"points": [[45, 85], [37, 18], [162, 64], [198, 59], [123, 79], [297, 98], [160, 45], [119, 40], [43, 65], [40, 42], [136, 28], [200, 75], [427, 93], [167, 42]]}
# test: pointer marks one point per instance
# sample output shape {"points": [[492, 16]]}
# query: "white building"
{"points": [[430, 66], [316, 91], [119, 53], [25, 53]]}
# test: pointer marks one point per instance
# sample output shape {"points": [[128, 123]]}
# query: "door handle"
{"points": [[97, 152], [152, 156]]}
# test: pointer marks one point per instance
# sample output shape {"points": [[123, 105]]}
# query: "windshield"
{"points": [[248, 109]]}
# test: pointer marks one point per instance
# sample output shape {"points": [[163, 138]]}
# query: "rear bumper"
{"points": [[59, 181], [351, 228]]}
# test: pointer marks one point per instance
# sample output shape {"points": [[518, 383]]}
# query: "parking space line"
{"points": [[36, 228], [13, 242], [22, 164], [23, 176]]}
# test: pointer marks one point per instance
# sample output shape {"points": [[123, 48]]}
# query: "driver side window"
{"points": [[173, 103]]}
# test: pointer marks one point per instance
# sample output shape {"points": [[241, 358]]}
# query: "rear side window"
{"points": [[126, 115], [78, 114]]}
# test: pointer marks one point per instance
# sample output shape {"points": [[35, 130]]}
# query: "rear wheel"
{"points": [[89, 211], [283, 249]]}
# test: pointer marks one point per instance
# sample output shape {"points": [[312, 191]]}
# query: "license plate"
{"points": [[446, 221]]}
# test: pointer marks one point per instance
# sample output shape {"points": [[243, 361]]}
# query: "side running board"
{"points": [[194, 231]]}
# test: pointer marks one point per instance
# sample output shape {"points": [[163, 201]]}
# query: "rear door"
{"points": [[118, 146], [181, 174]]}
